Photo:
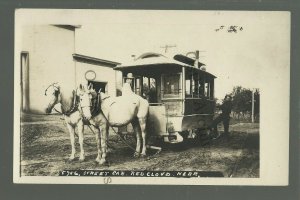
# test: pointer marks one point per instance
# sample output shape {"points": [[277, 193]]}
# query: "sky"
{"points": [[235, 58], [253, 57]]}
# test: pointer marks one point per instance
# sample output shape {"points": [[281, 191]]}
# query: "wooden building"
{"points": [[47, 55]]}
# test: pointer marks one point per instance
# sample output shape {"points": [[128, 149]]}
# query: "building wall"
{"points": [[103, 74], [50, 51]]}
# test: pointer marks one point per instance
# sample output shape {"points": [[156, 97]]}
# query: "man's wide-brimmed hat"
{"points": [[129, 75]]}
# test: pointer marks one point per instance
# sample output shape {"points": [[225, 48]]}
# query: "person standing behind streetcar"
{"points": [[224, 117]]}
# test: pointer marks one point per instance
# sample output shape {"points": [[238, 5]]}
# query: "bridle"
{"points": [[99, 110], [56, 93], [93, 102], [86, 102], [83, 103], [53, 85]]}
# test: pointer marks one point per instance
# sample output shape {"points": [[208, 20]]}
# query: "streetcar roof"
{"points": [[158, 62]]}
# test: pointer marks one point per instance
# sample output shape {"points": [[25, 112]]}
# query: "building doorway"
{"points": [[99, 85]]}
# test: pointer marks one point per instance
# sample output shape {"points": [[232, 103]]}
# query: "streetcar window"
{"points": [[188, 86], [195, 84], [209, 89], [171, 86], [206, 89], [152, 91], [138, 86], [145, 86], [149, 89], [212, 89], [200, 86], [189, 82]]}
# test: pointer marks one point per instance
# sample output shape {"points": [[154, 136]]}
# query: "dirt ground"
{"points": [[45, 148]]}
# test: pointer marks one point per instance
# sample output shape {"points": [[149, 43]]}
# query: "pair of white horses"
{"points": [[115, 112]]}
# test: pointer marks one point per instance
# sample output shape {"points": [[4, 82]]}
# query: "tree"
{"points": [[256, 104], [242, 101]]}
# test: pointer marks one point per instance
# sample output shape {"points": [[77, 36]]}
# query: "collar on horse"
{"points": [[96, 104], [74, 106]]}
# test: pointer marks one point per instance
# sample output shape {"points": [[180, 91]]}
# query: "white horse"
{"points": [[115, 112], [69, 108]]}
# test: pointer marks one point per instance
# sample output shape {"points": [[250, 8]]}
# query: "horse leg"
{"points": [[72, 139], [80, 128], [97, 135], [109, 149], [137, 130], [142, 123], [103, 133]]}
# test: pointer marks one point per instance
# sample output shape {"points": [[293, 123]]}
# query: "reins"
{"points": [[109, 125], [76, 133], [72, 110], [119, 134], [74, 105], [75, 108]]}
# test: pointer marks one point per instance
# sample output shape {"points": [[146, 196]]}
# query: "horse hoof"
{"points": [[81, 159], [143, 155], [136, 155], [216, 137], [103, 162], [109, 150], [71, 159]]}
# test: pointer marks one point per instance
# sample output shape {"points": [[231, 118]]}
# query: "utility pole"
{"points": [[196, 56], [196, 59], [194, 53], [166, 47]]}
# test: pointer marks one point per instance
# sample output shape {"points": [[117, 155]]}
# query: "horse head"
{"points": [[85, 94], [52, 93]]}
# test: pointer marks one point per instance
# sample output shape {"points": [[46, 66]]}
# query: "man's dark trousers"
{"points": [[221, 118]]}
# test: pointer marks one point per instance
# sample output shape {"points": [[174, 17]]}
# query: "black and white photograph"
{"points": [[151, 97]]}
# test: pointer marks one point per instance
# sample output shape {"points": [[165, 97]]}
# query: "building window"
{"points": [[99, 86]]}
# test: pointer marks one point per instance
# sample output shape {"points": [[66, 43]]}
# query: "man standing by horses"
{"points": [[224, 117], [128, 85]]}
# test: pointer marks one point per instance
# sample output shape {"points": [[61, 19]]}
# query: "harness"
{"points": [[74, 106], [96, 105], [96, 109], [75, 101]]}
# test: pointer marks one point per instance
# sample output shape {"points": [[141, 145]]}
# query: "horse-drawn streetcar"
{"points": [[180, 104], [180, 94]]}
